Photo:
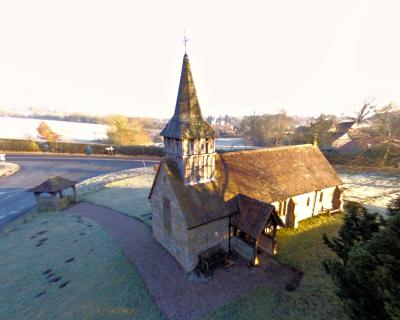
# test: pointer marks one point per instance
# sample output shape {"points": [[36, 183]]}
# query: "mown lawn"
{"points": [[62, 266], [128, 196], [303, 249]]}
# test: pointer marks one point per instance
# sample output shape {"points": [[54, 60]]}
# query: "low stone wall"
{"points": [[99, 182], [87, 186], [53, 203], [8, 168]]}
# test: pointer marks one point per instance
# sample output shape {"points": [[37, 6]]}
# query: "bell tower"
{"points": [[189, 141]]}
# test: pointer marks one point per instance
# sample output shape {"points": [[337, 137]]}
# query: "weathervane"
{"points": [[185, 40]]}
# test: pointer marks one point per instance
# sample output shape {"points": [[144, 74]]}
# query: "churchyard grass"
{"points": [[62, 266], [303, 249], [128, 196]]}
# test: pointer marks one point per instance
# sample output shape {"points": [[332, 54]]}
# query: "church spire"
{"points": [[189, 141], [187, 121]]}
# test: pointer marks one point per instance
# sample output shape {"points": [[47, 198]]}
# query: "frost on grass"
{"points": [[99, 182], [373, 189], [8, 168], [128, 196], [63, 266]]}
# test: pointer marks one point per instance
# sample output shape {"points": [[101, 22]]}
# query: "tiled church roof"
{"points": [[267, 175], [279, 173], [187, 121]]}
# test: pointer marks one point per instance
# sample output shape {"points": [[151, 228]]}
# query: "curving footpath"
{"points": [[167, 283]]}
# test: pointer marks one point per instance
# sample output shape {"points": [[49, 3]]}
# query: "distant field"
{"points": [[373, 189], [21, 128]]}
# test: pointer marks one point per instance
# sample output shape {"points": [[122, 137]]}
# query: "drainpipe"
{"points": [[315, 201]]}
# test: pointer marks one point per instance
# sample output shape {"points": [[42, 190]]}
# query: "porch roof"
{"points": [[254, 215]]}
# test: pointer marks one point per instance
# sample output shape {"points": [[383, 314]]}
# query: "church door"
{"points": [[290, 217], [336, 203]]}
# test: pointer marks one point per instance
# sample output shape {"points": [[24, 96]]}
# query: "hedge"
{"points": [[18, 145], [69, 147]]}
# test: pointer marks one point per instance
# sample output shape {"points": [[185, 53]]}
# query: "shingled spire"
{"points": [[188, 138], [187, 121]]}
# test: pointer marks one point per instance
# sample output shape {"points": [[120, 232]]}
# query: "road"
{"points": [[15, 201]]}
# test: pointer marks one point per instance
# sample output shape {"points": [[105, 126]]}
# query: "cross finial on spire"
{"points": [[185, 40]]}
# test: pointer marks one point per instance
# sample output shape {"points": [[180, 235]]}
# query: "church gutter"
{"points": [[213, 220]]}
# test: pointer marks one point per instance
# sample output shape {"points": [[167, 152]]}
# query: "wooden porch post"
{"points": [[229, 234], [273, 239], [255, 261]]}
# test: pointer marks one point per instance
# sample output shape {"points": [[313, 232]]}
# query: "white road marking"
{"points": [[2, 217], [2, 193], [12, 212]]}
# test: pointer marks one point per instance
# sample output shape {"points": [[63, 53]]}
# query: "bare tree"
{"points": [[361, 115], [125, 131], [388, 123]]}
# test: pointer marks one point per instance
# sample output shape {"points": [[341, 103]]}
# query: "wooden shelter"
{"points": [[54, 186], [256, 219]]}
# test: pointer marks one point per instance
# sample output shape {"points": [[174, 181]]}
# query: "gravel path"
{"points": [[167, 283]]}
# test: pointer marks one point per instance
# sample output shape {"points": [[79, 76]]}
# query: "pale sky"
{"points": [[101, 57]]}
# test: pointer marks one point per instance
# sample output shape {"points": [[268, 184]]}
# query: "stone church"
{"points": [[202, 199]]}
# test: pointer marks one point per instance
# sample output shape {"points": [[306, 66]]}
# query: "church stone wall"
{"points": [[185, 245], [174, 240]]}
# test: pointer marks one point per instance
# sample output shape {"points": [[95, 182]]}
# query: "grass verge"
{"points": [[128, 196], [63, 266], [303, 249]]}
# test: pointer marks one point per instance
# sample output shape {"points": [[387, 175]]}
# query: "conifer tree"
{"points": [[394, 206], [367, 271]]}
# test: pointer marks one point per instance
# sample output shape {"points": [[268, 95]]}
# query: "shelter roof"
{"points": [[54, 184]]}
